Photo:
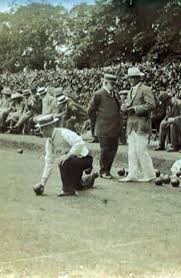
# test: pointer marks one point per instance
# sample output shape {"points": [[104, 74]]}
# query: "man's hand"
{"points": [[38, 189], [64, 158], [170, 120], [131, 110], [124, 107]]}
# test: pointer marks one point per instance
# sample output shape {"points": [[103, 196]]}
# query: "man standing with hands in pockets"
{"points": [[140, 102], [104, 111]]}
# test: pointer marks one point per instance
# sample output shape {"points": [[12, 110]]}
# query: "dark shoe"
{"points": [[88, 182], [106, 176], [159, 148], [88, 171], [171, 149], [66, 194]]}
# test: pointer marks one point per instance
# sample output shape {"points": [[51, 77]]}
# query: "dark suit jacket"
{"points": [[143, 102], [104, 110]]}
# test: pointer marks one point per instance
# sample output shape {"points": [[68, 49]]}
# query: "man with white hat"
{"points": [[75, 160], [140, 102], [104, 112], [48, 100], [72, 114]]}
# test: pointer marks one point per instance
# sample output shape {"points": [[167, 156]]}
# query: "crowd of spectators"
{"points": [[82, 83], [79, 85]]}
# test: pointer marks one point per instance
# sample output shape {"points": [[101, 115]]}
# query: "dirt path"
{"points": [[136, 233]]}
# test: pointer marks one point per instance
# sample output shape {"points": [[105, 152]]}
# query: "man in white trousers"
{"points": [[140, 102]]}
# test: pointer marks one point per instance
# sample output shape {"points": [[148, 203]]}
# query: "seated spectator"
{"points": [[73, 115], [25, 116], [170, 124], [16, 112], [158, 114], [175, 133], [5, 108]]}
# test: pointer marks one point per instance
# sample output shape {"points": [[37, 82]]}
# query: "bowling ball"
{"points": [[158, 181], [121, 172], [166, 179], [175, 182]]}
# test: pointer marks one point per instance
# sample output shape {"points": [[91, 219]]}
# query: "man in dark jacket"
{"points": [[104, 110], [171, 124]]}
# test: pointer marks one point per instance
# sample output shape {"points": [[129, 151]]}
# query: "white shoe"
{"points": [[128, 179], [106, 176], [146, 179]]}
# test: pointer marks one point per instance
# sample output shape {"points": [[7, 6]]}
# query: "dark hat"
{"points": [[110, 77], [164, 96], [45, 120], [33, 89]]}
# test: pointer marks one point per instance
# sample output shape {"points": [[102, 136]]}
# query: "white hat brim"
{"points": [[141, 74], [46, 124]]}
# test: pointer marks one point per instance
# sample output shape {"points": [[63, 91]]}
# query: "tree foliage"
{"points": [[43, 36]]}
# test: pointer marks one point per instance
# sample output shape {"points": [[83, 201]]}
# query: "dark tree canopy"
{"points": [[43, 36]]}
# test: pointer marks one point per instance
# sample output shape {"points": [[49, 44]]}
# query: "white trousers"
{"points": [[140, 164]]}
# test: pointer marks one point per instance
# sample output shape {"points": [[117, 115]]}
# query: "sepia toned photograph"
{"points": [[90, 139]]}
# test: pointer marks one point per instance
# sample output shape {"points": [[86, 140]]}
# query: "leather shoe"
{"points": [[171, 149], [147, 179], [67, 194], [159, 148], [88, 171], [128, 179]]}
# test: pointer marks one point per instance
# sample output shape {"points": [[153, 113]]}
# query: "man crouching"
{"points": [[75, 158]]}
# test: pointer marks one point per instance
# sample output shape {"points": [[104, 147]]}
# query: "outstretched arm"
{"points": [[49, 161]]}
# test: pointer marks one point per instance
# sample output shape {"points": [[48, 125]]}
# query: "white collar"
{"points": [[107, 90]]}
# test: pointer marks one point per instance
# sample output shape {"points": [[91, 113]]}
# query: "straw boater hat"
{"points": [[16, 96], [45, 120], [41, 91], [62, 99], [6, 91], [110, 77], [133, 72]]}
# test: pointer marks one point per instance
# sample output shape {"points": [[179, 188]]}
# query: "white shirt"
{"points": [[63, 141]]}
